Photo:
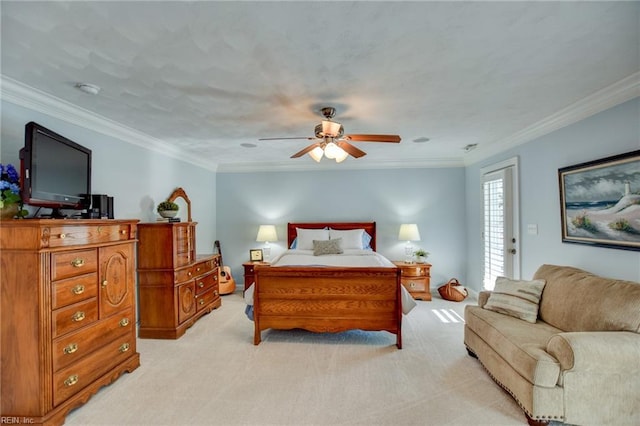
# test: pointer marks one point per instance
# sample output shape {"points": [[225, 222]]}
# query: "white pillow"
{"points": [[351, 239], [305, 237]]}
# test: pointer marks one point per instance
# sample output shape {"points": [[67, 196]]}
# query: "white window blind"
{"points": [[494, 228]]}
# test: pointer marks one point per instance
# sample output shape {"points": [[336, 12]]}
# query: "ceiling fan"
{"points": [[331, 141]]}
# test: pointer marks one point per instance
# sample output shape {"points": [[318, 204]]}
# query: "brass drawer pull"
{"points": [[78, 316], [78, 262], [197, 269], [215, 278], [104, 283], [79, 289], [215, 292], [63, 236], [71, 348], [124, 347], [189, 273], [123, 232], [71, 380], [412, 285], [124, 322], [200, 284], [201, 301]]}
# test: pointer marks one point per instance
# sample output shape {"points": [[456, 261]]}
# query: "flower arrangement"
{"points": [[9, 186]]}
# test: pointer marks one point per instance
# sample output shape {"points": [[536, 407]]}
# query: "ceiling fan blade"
{"points": [[304, 151], [277, 139], [351, 150], [373, 138]]}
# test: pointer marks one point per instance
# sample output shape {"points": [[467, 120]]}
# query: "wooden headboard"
{"points": [[369, 227]]}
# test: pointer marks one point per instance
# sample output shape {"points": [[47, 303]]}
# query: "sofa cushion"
{"points": [[517, 298], [521, 344], [576, 300]]}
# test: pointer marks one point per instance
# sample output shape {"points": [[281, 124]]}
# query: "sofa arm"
{"points": [[597, 350], [483, 296]]}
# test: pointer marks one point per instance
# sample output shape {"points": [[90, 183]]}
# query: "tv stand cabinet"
{"points": [[176, 287], [67, 313]]}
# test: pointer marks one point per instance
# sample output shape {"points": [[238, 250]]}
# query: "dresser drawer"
{"points": [[74, 290], [415, 271], [73, 263], [74, 317], [203, 300], [70, 235], [206, 282], [75, 377], [184, 274], [72, 347], [204, 267], [415, 284]]}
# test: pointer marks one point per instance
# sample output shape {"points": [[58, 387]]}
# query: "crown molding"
{"points": [[617, 93], [302, 166], [25, 96]]}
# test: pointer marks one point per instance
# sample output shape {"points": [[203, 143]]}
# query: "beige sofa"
{"points": [[579, 363]]}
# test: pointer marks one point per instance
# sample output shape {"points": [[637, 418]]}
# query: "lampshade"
{"points": [[341, 156], [316, 153], [267, 233], [332, 150], [409, 232], [330, 128]]}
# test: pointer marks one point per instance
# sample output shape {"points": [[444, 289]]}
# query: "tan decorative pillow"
{"points": [[517, 298], [321, 247]]}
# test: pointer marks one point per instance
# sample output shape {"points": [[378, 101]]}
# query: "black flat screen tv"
{"points": [[56, 172]]}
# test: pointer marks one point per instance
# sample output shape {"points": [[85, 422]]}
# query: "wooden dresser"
{"points": [[416, 278], [68, 313], [175, 287]]}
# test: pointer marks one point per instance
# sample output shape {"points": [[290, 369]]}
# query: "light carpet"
{"points": [[214, 375]]}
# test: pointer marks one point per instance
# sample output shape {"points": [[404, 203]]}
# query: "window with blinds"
{"points": [[494, 228]]}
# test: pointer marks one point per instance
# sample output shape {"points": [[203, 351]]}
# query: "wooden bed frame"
{"points": [[328, 299]]}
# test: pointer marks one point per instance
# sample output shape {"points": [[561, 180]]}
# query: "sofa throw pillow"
{"points": [[327, 247], [517, 298]]}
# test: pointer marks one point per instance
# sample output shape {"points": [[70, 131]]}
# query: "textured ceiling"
{"points": [[207, 77]]}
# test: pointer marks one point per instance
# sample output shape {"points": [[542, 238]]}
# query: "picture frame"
{"points": [[600, 202], [255, 255]]}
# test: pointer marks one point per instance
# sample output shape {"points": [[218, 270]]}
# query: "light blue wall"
{"points": [[444, 202], [137, 178], [611, 132], [433, 198]]}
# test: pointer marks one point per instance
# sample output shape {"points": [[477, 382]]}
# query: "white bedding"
{"points": [[350, 258]]}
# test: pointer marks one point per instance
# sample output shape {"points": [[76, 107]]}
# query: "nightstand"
{"points": [[248, 273], [416, 278]]}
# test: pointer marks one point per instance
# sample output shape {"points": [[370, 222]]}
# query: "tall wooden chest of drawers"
{"points": [[176, 287], [68, 313]]}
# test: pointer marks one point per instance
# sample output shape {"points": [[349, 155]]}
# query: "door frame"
{"points": [[513, 164]]}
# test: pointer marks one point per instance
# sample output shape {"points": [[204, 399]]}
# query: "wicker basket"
{"points": [[453, 291]]}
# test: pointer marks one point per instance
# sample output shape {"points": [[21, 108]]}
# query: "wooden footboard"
{"points": [[327, 299]]}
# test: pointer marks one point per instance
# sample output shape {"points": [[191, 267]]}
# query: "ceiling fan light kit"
{"points": [[333, 143]]}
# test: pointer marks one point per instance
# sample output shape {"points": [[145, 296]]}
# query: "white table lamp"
{"points": [[266, 233], [409, 232]]}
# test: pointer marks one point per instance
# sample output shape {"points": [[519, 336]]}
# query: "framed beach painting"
{"points": [[600, 202]]}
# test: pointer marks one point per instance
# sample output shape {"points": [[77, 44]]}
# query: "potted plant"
{"points": [[421, 255], [10, 200], [168, 209]]}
